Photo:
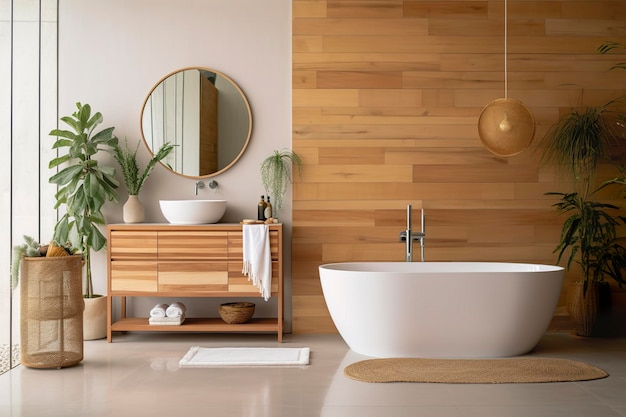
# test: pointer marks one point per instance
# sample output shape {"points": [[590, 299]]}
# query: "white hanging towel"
{"points": [[257, 258]]}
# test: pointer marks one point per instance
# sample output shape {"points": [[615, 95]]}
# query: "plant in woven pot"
{"points": [[576, 144], [134, 178], [84, 186], [51, 304]]}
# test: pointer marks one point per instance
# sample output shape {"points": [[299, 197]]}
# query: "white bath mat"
{"points": [[244, 356]]}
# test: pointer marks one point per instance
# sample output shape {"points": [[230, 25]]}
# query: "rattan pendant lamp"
{"points": [[506, 126]]}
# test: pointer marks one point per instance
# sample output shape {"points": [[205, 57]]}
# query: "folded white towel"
{"points": [[176, 309], [158, 310], [257, 258], [167, 321]]}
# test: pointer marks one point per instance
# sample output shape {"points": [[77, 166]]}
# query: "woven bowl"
{"points": [[236, 313]]}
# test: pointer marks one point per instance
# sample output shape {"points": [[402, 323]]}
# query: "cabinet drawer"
{"points": [[190, 276], [235, 245], [237, 282], [138, 276], [133, 245], [192, 245]]}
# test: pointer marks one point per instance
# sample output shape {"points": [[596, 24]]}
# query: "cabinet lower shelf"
{"points": [[138, 324]]}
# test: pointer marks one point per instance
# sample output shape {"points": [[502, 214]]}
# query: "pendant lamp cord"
{"points": [[506, 81]]}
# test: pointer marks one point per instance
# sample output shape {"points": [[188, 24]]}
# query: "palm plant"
{"points": [[127, 159], [84, 184], [590, 234], [276, 173]]}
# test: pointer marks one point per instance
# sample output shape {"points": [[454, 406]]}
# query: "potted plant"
{"points": [[576, 144], [276, 173], [590, 236], [31, 248], [133, 211], [50, 280], [84, 186]]}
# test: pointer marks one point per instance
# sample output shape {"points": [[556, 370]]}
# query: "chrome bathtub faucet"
{"points": [[414, 236]]}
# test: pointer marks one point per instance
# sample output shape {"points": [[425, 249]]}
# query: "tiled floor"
{"points": [[137, 375]]}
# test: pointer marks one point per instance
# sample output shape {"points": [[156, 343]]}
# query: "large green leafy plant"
{"points": [[84, 184]]}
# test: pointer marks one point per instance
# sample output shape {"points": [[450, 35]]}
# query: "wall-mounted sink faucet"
{"points": [[199, 184], [419, 236]]}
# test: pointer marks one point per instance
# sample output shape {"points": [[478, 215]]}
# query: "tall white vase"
{"points": [[133, 210]]}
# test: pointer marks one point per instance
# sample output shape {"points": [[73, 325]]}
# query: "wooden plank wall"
{"points": [[386, 99]]}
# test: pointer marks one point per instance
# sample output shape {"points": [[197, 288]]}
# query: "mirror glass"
{"points": [[205, 114]]}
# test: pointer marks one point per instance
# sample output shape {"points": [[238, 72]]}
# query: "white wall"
{"points": [[111, 53]]}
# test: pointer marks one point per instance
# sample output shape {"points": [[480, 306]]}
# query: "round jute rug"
{"points": [[473, 371]]}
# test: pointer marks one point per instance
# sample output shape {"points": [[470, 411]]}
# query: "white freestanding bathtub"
{"points": [[441, 309]]}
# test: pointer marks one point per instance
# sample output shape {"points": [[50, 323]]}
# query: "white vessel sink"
{"points": [[193, 211]]}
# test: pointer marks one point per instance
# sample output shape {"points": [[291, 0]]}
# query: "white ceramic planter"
{"points": [[95, 318]]}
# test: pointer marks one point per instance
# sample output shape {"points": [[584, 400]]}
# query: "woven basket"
{"points": [[236, 313], [51, 311]]}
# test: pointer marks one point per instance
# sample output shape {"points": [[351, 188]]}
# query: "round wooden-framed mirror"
{"points": [[205, 114]]}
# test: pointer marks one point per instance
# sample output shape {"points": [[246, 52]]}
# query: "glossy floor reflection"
{"points": [[137, 375]]}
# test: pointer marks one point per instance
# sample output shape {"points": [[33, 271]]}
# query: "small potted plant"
{"points": [[133, 211], [276, 174], [84, 186]]}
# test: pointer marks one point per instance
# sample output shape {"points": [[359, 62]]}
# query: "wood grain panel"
{"points": [[486, 27], [363, 26], [366, 61], [307, 44], [304, 79], [446, 9], [528, 9], [371, 146], [365, 8], [193, 276], [309, 8], [133, 245], [573, 27], [134, 276], [592, 9], [351, 156], [193, 245], [474, 173], [361, 173], [359, 79]]}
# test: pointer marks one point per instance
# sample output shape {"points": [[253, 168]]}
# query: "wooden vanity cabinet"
{"points": [[164, 260]]}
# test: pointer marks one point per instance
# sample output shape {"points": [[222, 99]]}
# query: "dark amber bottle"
{"points": [[261, 209]]}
